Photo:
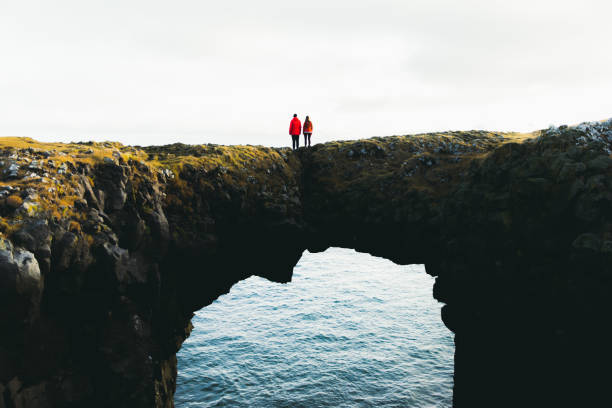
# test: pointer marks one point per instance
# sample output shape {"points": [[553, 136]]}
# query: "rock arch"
{"points": [[99, 282]]}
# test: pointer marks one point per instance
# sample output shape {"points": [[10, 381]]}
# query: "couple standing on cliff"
{"points": [[295, 128]]}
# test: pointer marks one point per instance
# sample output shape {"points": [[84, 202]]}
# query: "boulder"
{"points": [[21, 283]]}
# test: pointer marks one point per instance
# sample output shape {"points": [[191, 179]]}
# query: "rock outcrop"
{"points": [[107, 250]]}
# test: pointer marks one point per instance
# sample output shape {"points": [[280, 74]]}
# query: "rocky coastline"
{"points": [[107, 250]]}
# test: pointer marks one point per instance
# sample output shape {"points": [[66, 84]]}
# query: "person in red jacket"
{"points": [[307, 131], [295, 128]]}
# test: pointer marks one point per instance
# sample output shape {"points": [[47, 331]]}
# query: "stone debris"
{"points": [[35, 165], [12, 171], [28, 208], [587, 132], [167, 173]]}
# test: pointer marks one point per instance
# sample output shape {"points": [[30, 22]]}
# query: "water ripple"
{"points": [[351, 330]]}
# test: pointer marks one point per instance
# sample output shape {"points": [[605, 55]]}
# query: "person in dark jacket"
{"points": [[307, 131], [295, 128]]}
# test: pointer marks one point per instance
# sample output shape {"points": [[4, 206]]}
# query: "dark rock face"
{"points": [[95, 306]]}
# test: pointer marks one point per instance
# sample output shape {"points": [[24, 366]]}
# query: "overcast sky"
{"points": [[199, 71]]}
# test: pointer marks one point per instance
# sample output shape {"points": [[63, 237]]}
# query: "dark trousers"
{"points": [[307, 139], [296, 141]]}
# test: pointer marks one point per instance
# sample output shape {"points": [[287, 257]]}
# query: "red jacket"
{"points": [[295, 127]]}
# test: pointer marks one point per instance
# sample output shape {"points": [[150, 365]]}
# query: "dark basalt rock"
{"points": [[21, 284], [96, 299]]}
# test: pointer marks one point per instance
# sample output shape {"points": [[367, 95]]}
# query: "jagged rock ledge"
{"points": [[107, 250]]}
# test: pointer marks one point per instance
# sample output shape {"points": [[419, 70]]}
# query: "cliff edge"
{"points": [[107, 250]]}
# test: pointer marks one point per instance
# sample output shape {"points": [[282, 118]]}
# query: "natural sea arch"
{"points": [[100, 278], [517, 238], [350, 329]]}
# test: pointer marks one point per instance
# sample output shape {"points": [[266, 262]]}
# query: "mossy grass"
{"points": [[244, 168]]}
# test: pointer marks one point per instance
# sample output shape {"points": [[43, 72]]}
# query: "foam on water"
{"points": [[350, 330]]}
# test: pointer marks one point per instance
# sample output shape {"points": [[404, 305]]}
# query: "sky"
{"points": [[234, 72]]}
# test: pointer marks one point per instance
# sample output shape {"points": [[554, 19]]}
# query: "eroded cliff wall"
{"points": [[107, 251]]}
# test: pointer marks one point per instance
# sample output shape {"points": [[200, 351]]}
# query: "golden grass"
{"points": [[400, 162], [253, 169], [14, 201]]}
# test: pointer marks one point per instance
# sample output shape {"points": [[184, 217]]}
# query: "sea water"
{"points": [[350, 330]]}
